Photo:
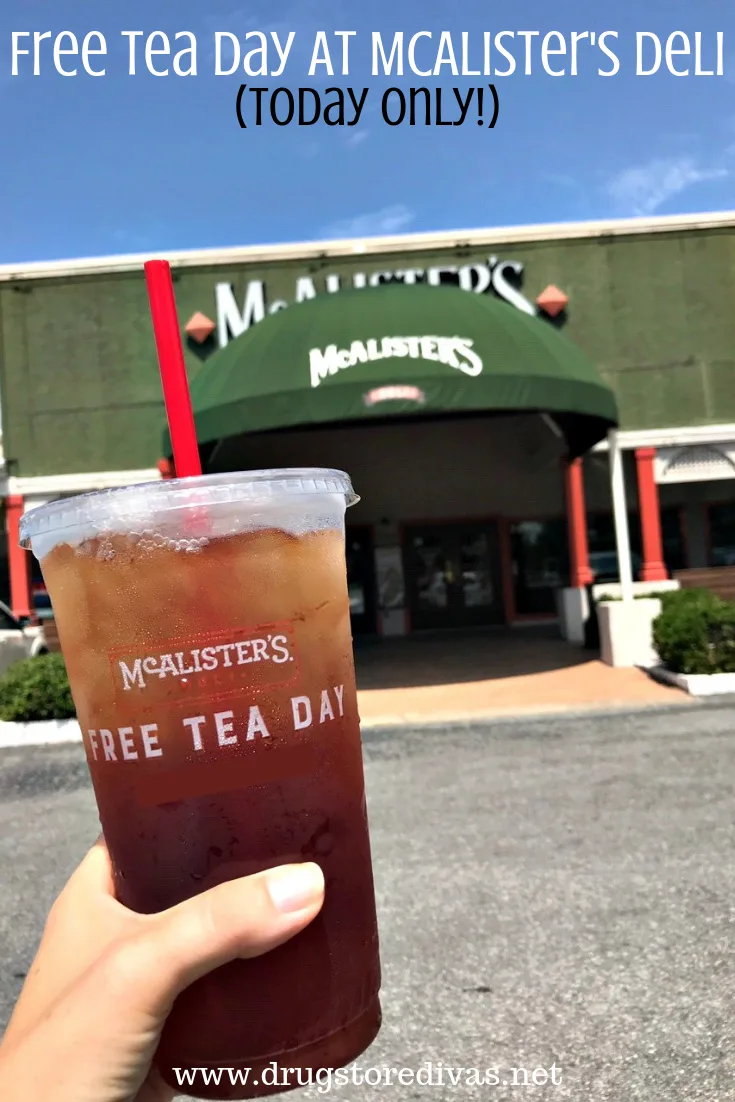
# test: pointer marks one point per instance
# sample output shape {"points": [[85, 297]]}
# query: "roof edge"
{"points": [[368, 246]]}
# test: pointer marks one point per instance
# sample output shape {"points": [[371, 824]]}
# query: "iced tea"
{"points": [[213, 677]]}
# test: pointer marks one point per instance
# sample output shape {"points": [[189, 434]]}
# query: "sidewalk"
{"points": [[472, 676], [458, 678]]}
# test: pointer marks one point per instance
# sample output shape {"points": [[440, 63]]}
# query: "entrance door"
{"points": [[453, 575], [361, 580]]}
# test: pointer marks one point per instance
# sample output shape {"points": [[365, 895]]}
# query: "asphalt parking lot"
{"points": [[552, 893]]}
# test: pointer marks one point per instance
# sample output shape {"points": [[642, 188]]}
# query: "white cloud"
{"points": [[136, 240], [309, 149], [303, 17], [373, 224], [356, 137], [642, 189], [562, 180]]}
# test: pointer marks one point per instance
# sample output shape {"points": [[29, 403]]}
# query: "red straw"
{"points": [[173, 369]]}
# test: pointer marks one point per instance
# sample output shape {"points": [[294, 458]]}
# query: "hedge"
{"points": [[695, 632], [36, 689]]}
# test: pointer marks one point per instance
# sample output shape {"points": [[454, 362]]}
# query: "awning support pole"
{"points": [[653, 567], [19, 560], [620, 514], [580, 574]]}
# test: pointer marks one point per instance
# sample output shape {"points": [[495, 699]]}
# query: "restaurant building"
{"points": [[470, 382]]}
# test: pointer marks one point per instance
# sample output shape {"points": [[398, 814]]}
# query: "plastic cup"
{"points": [[205, 628]]}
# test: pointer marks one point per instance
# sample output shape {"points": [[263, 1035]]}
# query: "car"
{"points": [[604, 565], [41, 602], [18, 640]]}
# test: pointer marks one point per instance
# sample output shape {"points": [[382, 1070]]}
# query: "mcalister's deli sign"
{"points": [[501, 277]]}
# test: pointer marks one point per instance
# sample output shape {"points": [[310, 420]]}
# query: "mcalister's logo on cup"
{"points": [[208, 668]]}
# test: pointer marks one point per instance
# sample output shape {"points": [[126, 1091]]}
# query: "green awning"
{"points": [[399, 351]]}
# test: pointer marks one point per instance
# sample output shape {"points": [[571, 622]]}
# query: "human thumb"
{"points": [[237, 919]]}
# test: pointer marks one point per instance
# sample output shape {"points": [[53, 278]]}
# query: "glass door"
{"points": [[453, 575], [361, 580]]}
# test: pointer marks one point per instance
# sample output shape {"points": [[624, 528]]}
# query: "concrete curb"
{"points": [[56, 732], [699, 685], [47, 733], [499, 715]]}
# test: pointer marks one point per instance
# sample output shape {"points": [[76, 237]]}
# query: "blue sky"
{"points": [[94, 166]]}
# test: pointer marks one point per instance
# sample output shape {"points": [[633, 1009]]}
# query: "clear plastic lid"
{"points": [[293, 497]]}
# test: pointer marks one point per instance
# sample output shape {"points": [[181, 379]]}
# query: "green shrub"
{"points": [[36, 689], [695, 632]]}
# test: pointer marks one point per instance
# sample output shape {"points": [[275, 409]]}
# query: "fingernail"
{"points": [[294, 887]]}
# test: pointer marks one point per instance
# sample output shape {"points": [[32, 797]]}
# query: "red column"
{"points": [[579, 558], [19, 561], [653, 568]]}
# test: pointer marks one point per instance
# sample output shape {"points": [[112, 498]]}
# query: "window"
{"points": [[540, 564], [672, 535], [722, 534], [603, 549]]}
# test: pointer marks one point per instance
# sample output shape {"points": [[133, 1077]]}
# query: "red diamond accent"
{"points": [[552, 301], [199, 327]]}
